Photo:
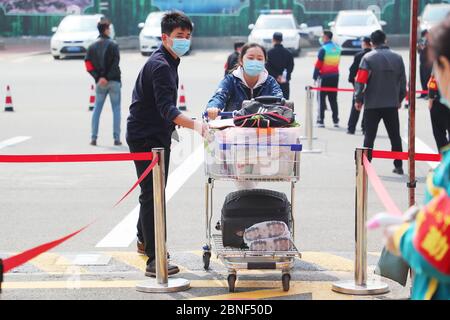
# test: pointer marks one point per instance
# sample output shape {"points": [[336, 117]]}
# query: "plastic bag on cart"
{"points": [[250, 152], [272, 244], [266, 230]]}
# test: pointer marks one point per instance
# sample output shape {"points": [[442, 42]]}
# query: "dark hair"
{"points": [[440, 41], [175, 19], [248, 46], [329, 34], [378, 37], [278, 36], [366, 40], [103, 25], [238, 45]]}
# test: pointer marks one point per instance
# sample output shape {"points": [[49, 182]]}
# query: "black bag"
{"points": [[392, 267], [243, 209], [265, 112]]}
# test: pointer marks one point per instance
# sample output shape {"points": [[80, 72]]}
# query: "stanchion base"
{"points": [[311, 151], [173, 285], [371, 288]]}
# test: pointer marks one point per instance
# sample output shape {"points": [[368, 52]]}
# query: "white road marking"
{"points": [[422, 147], [125, 232], [13, 141], [22, 59]]}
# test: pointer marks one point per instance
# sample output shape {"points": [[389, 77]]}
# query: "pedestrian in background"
{"points": [[354, 114], [425, 65], [102, 62], [440, 115], [233, 59], [424, 242], [381, 87], [326, 72], [280, 64], [248, 81], [153, 117]]}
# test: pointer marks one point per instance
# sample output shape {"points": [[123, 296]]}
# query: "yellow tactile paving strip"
{"points": [[255, 289]]}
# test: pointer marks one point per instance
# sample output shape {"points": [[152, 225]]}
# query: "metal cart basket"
{"points": [[258, 155]]}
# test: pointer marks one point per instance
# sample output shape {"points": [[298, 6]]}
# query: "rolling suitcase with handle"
{"points": [[245, 208]]}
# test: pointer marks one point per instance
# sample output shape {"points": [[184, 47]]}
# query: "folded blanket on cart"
{"points": [[268, 236], [266, 230], [272, 244]]}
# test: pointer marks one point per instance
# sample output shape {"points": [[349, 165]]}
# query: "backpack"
{"points": [[265, 112]]}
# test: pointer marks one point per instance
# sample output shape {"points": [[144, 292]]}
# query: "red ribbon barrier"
{"points": [[380, 190], [328, 89], [18, 260], [144, 175], [404, 156], [75, 158], [11, 263]]}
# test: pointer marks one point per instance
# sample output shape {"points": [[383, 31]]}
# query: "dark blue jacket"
{"points": [[154, 105], [232, 92]]}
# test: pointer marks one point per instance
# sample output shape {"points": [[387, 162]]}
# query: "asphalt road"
{"points": [[41, 202]]}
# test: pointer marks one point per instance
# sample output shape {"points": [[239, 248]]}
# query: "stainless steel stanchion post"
{"points": [[309, 126], [360, 286], [162, 283]]}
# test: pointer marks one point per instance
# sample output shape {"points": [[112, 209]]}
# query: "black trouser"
{"points": [[286, 90], [440, 120], [146, 223], [425, 74], [331, 82], [391, 121], [354, 117]]}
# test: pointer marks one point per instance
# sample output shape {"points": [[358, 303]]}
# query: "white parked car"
{"points": [[351, 25], [271, 21], [150, 36], [433, 14], [74, 35]]}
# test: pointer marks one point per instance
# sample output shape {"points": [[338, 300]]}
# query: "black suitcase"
{"points": [[243, 209]]}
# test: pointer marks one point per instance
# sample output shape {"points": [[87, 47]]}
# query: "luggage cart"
{"points": [[223, 162]]}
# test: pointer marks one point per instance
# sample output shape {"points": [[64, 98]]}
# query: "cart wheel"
{"points": [[232, 282], [286, 279], [206, 260]]}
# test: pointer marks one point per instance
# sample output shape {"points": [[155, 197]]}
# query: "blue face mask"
{"points": [[253, 67], [181, 46]]}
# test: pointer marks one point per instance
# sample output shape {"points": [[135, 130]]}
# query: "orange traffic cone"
{"points": [[92, 99], [182, 100], [8, 102]]}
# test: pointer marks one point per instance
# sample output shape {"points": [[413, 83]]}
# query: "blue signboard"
{"points": [[199, 7]]}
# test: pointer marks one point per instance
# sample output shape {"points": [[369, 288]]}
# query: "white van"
{"points": [[150, 36], [74, 35]]}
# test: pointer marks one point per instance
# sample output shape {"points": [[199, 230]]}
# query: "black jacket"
{"points": [[102, 60], [154, 102], [384, 83], [278, 59], [355, 66]]}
